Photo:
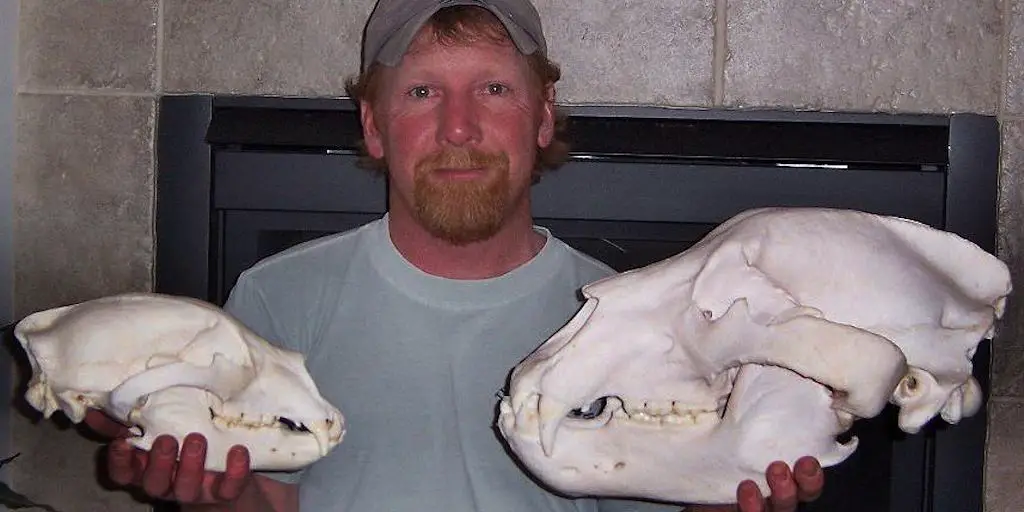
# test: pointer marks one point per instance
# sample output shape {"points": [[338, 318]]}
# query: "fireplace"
{"points": [[240, 178]]}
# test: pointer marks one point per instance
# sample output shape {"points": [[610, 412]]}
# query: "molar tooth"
{"points": [[678, 419], [642, 416], [659, 408]]}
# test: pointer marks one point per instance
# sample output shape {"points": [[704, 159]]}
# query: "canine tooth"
{"points": [[550, 414], [321, 431], [845, 420]]}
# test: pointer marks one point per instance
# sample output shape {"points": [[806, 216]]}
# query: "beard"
{"points": [[463, 211]]}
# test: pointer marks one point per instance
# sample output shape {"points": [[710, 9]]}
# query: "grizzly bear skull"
{"points": [[172, 365], [764, 341]]}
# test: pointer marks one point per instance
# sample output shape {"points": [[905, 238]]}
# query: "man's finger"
{"points": [[810, 479], [120, 462], [188, 480], [104, 425], [749, 498], [237, 474], [159, 472], [783, 487]]}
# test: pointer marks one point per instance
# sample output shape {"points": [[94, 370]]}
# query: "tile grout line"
{"points": [[158, 75], [1004, 58], [718, 55], [53, 91], [158, 62]]}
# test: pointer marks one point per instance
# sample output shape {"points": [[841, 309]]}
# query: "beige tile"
{"points": [[652, 52], [1005, 434], [287, 47], [1008, 347], [83, 198], [108, 44], [927, 55], [1008, 364], [1004, 469], [1004, 490], [1014, 91]]}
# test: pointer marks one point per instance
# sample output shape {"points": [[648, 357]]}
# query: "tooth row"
{"points": [[264, 421], [675, 416]]}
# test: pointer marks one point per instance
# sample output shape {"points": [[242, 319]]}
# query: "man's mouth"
{"points": [[460, 173]]}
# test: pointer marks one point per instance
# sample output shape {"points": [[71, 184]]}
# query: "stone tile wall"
{"points": [[89, 74]]}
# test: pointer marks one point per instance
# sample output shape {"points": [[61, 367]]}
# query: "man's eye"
{"points": [[421, 91], [496, 89]]}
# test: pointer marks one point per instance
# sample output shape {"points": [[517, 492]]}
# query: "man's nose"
{"points": [[460, 121]]}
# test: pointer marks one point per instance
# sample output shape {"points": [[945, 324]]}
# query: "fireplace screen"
{"points": [[240, 178]]}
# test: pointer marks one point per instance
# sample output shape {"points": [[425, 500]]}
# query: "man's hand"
{"points": [[161, 475], [788, 489]]}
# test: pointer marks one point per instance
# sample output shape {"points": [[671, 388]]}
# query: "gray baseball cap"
{"points": [[394, 23]]}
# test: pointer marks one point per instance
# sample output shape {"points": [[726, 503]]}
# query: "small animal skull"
{"points": [[764, 341], [173, 365]]}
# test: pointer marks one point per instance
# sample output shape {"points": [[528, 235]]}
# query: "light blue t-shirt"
{"points": [[415, 363]]}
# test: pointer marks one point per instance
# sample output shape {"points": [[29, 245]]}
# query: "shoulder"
{"points": [[279, 282], [306, 260], [586, 267]]}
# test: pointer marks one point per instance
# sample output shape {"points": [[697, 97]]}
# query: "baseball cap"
{"points": [[394, 23]]}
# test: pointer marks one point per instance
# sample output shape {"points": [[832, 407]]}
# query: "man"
{"points": [[411, 323]]}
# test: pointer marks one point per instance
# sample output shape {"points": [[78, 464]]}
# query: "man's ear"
{"points": [[371, 133], [546, 131]]}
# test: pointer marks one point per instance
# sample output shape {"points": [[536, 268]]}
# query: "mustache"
{"points": [[462, 158]]}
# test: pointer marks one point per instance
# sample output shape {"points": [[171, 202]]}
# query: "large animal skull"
{"points": [[172, 365], [762, 342]]}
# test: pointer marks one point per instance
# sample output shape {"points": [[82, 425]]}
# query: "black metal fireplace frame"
{"points": [[205, 145]]}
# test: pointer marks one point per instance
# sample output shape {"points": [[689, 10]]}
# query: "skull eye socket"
{"points": [[293, 426], [590, 411]]}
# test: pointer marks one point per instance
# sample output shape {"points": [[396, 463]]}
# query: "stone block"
{"points": [[877, 55], [288, 47], [65, 44], [83, 198], [657, 52]]}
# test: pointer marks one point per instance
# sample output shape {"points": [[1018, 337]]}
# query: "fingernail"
{"points": [[237, 456], [193, 448], [811, 471]]}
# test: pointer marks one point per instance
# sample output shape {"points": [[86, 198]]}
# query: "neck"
{"points": [[512, 246]]}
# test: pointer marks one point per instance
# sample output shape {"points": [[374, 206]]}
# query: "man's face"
{"points": [[459, 126]]}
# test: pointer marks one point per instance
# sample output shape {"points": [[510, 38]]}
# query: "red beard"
{"points": [[462, 211]]}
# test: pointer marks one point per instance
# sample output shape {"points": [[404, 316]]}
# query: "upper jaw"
{"points": [[531, 413]]}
